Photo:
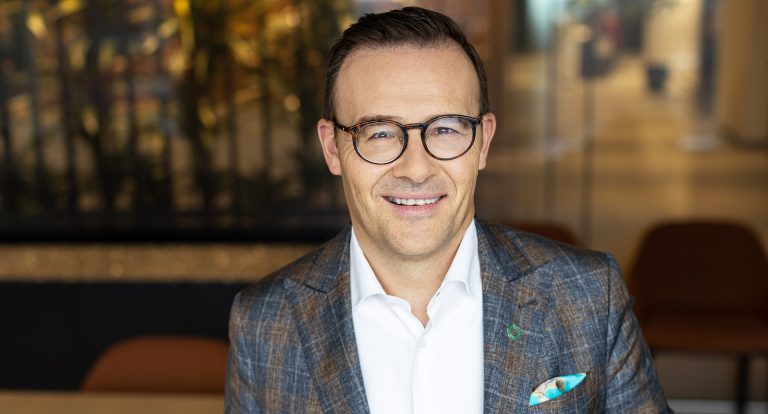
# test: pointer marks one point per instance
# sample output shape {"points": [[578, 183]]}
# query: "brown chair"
{"points": [[172, 364], [703, 287], [552, 231]]}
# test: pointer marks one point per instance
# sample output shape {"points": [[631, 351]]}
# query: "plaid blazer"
{"points": [[293, 346]]}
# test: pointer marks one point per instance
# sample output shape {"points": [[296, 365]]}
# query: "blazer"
{"points": [[549, 309]]}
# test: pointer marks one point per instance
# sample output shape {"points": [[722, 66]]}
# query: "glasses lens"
{"points": [[449, 137], [380, 142]]}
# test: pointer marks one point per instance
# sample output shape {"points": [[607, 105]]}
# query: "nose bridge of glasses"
{"points": [[421, 127], [420, 135]]}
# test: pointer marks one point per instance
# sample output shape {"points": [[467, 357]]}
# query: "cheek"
{"points": [[347, 157], [464, 175], [359, 177]]}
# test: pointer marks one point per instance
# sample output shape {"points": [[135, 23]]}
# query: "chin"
{"points": [[417, 241], [414, 251]]}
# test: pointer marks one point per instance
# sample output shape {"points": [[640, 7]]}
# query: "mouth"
{"points": [[413, 201]]}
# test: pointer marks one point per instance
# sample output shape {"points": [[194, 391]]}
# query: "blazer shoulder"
{"points": [[312, 270], [565, 272], [540, 251]]}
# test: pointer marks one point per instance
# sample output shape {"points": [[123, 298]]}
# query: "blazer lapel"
{"points": [[514, 312], [323, 315]]}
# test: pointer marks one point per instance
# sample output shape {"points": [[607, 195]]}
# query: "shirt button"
{"points": [[423, 344]]}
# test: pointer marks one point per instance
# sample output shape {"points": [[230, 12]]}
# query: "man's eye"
{"points": [[381, 135], [443, 131]]}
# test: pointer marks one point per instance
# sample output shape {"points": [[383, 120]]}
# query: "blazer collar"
{"points": [[515, 306], [320, 299], [323, 271]]}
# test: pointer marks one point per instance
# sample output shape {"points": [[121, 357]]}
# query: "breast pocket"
{"points": [[581, 399]]}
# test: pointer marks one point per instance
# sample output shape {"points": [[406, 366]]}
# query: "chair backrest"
{"points": [[700, 265], [173, 364], [554, 231]]}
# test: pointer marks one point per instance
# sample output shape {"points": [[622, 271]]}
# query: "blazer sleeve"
{"points": [[238, 397], [633, 385]]}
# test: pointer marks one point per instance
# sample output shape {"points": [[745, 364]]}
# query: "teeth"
{"points": [[413, 201]]}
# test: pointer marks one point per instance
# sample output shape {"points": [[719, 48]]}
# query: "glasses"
{"points": [[445, 137]]}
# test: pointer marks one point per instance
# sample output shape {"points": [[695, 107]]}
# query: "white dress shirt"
{"points": [[411, 368]]}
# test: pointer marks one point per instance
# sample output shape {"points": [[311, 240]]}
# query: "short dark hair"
{"points": [[407, 26]]}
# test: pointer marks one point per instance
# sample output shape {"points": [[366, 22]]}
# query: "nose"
{"points": [[415, 163]]}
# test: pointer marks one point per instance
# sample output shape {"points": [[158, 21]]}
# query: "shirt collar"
{"points": [[461, 270], [363, 282]]}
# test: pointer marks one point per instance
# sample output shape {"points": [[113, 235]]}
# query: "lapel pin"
{"points": [[513, 332]]}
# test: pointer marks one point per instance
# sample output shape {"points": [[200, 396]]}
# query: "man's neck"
{"points": [[414, 279], [416, 283]]}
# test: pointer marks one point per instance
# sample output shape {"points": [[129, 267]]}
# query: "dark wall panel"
{"points": [[51, 333]]}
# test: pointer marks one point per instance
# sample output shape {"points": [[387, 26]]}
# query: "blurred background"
{"points": [[158, 155]]}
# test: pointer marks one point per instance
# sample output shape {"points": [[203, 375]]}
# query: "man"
{"points": [[418, 306]]}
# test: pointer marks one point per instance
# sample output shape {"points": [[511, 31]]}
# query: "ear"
{"points": [[326, 132], [488, 129]]}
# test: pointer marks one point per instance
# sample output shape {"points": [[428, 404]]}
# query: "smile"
{"points": [[413, 201]]}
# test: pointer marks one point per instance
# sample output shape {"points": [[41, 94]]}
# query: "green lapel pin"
{"points": [[513, 332]]}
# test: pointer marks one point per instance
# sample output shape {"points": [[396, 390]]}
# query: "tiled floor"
{"points": [[713, 407]]}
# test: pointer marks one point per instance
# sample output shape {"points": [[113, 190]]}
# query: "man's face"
{"points": [[407, 84]]}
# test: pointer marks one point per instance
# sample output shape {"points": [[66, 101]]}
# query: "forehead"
{"points": [[407, 81]]}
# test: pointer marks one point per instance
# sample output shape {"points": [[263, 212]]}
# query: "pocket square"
{"points": [[555, 387]]}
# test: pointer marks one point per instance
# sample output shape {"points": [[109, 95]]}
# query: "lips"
{"points": [[413, 201]]}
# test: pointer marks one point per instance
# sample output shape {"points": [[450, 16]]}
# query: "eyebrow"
{"points": [[379, 117], [366, 118]]}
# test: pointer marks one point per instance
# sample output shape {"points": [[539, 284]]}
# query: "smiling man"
{"points": [[419, 307]]}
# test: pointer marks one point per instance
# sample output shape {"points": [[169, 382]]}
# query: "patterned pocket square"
{"points": [[555, 387]]}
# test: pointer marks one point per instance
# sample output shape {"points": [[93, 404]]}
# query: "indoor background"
{"points": [[158, 155]]}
